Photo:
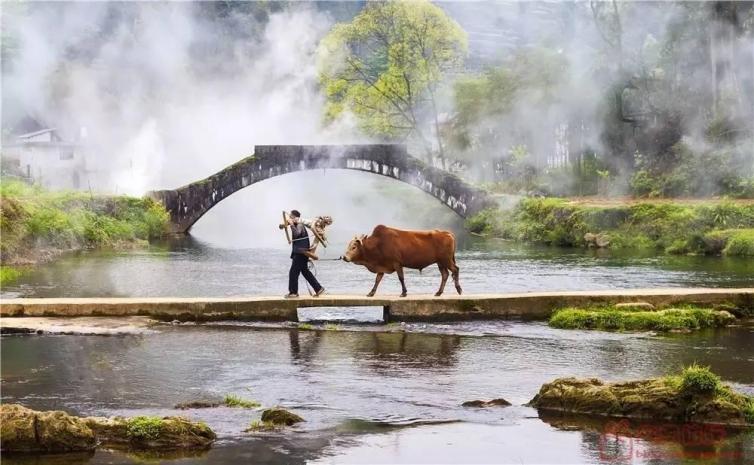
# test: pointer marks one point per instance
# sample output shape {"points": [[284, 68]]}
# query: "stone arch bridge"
{"points": [[189, 203]]}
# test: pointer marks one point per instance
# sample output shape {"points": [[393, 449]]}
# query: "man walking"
{"points": [[300, 260]]}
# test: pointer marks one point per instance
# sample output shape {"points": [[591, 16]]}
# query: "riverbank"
{"points": [[39, 225], [714, 227]]}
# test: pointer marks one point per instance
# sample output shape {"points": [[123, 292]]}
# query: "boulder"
{"points": [[655, 399], [168, 433], [279, 416], [486, 403], [26, 430]]}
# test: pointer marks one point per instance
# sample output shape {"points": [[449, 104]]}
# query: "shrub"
{"points": [[143, 428], [697, 379], [740, 243], [8, 274]]}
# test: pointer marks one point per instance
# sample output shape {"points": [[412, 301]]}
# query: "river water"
{"points": [[377, 394], [194, 267], [372, 393]]}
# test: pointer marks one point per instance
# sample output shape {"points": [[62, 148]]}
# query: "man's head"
{"points": [[295, 216]]}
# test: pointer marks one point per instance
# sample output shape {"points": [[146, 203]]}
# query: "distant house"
{"points": [[39, 154]]}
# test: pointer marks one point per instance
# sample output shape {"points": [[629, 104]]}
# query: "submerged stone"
{"points": [[486, 403], [197, 404], [660, 399], [279, 416], [26, 430]]}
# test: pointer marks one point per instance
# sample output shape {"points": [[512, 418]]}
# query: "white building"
{"points": [[43, 157]]}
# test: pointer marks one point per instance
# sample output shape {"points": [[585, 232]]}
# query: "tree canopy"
{"points": [[385, 67]]}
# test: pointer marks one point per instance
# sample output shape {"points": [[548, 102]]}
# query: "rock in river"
{"points": [[26, 430], [668, 398], [279, 416], [486, 403], [166, 433]]}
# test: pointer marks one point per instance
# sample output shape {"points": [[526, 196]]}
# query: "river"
{"points": [[372, 393]]}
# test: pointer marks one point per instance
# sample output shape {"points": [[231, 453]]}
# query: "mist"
{"points": [[164, 93]]}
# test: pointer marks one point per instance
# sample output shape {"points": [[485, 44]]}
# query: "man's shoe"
{"points": [[320, 292], [290, 296]]}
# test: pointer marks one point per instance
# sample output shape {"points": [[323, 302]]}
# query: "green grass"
{"points": [[699, 379], [8, 274], [332, 327], [627, 319], [143, 428], [695, 380], [666, 226], [305, 326], [259, 426], [33, 218], [231, 400]]}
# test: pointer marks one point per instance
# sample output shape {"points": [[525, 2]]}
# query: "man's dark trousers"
{"points": [[299, 265]]}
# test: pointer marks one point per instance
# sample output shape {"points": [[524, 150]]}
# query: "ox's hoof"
{"points": [[371, 294], [459, 290], [404, 294], [438, 294]]}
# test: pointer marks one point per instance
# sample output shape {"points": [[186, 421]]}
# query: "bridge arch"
{"points": [[189, 203]]}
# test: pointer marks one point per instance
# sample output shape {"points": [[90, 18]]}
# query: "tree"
{"points": [[386, 67]]}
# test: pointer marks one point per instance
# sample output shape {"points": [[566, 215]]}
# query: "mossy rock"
{"points": [[166, 433], [655, 399], [279, 416], [26, 430], [486, 403]]}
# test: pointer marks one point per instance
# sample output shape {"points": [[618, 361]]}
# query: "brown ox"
{"points": [[389, 249]]}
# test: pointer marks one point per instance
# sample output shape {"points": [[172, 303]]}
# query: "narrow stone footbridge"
{"points": [[532, 305], [188, 203]]}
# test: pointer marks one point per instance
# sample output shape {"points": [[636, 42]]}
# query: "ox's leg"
{"points": [[399, 270], [377, 280], [444, 273], [454, 269]]}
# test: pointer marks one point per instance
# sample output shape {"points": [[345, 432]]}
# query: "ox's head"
{"points": [[355, 249]]}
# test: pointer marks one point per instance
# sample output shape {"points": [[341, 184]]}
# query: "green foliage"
{"points": [[533, 75], [683, 172], [384, 66], [9, 274], [144, 428], [749, 410], [32, 217], [674, 228], [231, 400], [262, 426], [628, 319], [696, 379], [740, 243]]}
